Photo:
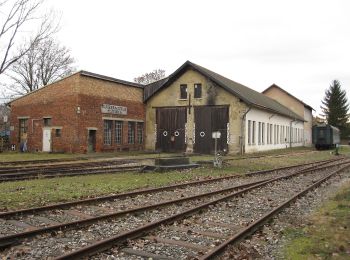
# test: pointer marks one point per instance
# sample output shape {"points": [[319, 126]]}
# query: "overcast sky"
{"points": [[299, 45]]}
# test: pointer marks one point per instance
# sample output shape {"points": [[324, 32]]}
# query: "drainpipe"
{"points": [[242, 150], [290, 133]]}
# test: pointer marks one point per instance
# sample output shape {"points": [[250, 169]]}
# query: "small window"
{"points": [[47, 121], [131, 132], [253, 133], [58, 132], [249, 132], [197, 90], [183, 91]]}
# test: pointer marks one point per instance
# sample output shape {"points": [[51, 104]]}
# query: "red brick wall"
{"points": [[60, 101]]}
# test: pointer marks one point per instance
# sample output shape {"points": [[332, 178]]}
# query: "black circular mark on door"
{"points": [[165, 133], [202, 134], [176, 133]]}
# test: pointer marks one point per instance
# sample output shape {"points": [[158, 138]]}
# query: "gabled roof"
{"points": [[86, 74], [247, 95], [106, 78], [275, 86]]}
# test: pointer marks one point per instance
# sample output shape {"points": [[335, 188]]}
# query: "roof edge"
{"points": [[285, 91], [111, 79]]}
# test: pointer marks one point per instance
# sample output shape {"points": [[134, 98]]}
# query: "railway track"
{"points": [[65, 172], [269, 156], [189, 235], [28, 172], [130, 210]]}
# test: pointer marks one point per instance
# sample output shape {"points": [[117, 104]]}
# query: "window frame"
{"points": [[197, 89], [183, 90], [139, 132], [107, 132], [249, 132], [118, 129], [131, 132]]}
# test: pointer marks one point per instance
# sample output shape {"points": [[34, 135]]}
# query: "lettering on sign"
{"points": [[111, 109]]}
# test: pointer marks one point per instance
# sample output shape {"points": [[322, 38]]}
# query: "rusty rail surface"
{"points": [[9, 240], [150, 190], [256, 225], [142, 230]]}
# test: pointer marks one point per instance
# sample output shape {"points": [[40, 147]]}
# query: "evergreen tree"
{"points": [[335, 106]]}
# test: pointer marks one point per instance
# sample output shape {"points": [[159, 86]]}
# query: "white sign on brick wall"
{"points": [[112, 109]]}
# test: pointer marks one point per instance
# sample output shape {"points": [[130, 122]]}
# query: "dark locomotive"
{"points": [[325, 136]]}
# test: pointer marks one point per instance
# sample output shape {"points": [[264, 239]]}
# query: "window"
{"points": [[107, 131], [278, 134], [118, 132], [58, 132], [47, 121], [131, 132], [259, 133], [183, 91], [197, 90], [270, 133], [23, 128], [140, 133], [253, 133], [263, 133], [249, 131]]}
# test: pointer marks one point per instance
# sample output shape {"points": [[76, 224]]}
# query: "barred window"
{"points": [[118, 132], [107, 131], [131, 132], [140, 133]]}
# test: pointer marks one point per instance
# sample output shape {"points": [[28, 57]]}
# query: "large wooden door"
{"points": [[210, 119], [171, 129]]}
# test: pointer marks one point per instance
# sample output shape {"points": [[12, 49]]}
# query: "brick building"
{"points": [[81, 113]]}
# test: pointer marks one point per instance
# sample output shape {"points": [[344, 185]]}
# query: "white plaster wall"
{"points": [[308, 127], [274, 119]]}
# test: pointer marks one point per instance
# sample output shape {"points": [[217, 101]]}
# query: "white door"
{"points": [[47, 140]]}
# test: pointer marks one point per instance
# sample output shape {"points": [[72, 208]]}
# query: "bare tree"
{"points": [[43, 64], [150, 77], [15, 37]]}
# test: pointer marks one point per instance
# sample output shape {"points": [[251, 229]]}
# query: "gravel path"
{"points": [[105, 207], [54, 244], [269, 242], [225, 218]]}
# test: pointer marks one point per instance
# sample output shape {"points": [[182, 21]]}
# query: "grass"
{"points": [[328, 235], [40, 192], [16, 156]]}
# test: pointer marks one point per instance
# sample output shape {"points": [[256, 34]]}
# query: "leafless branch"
{"points": [[20, 14]]}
